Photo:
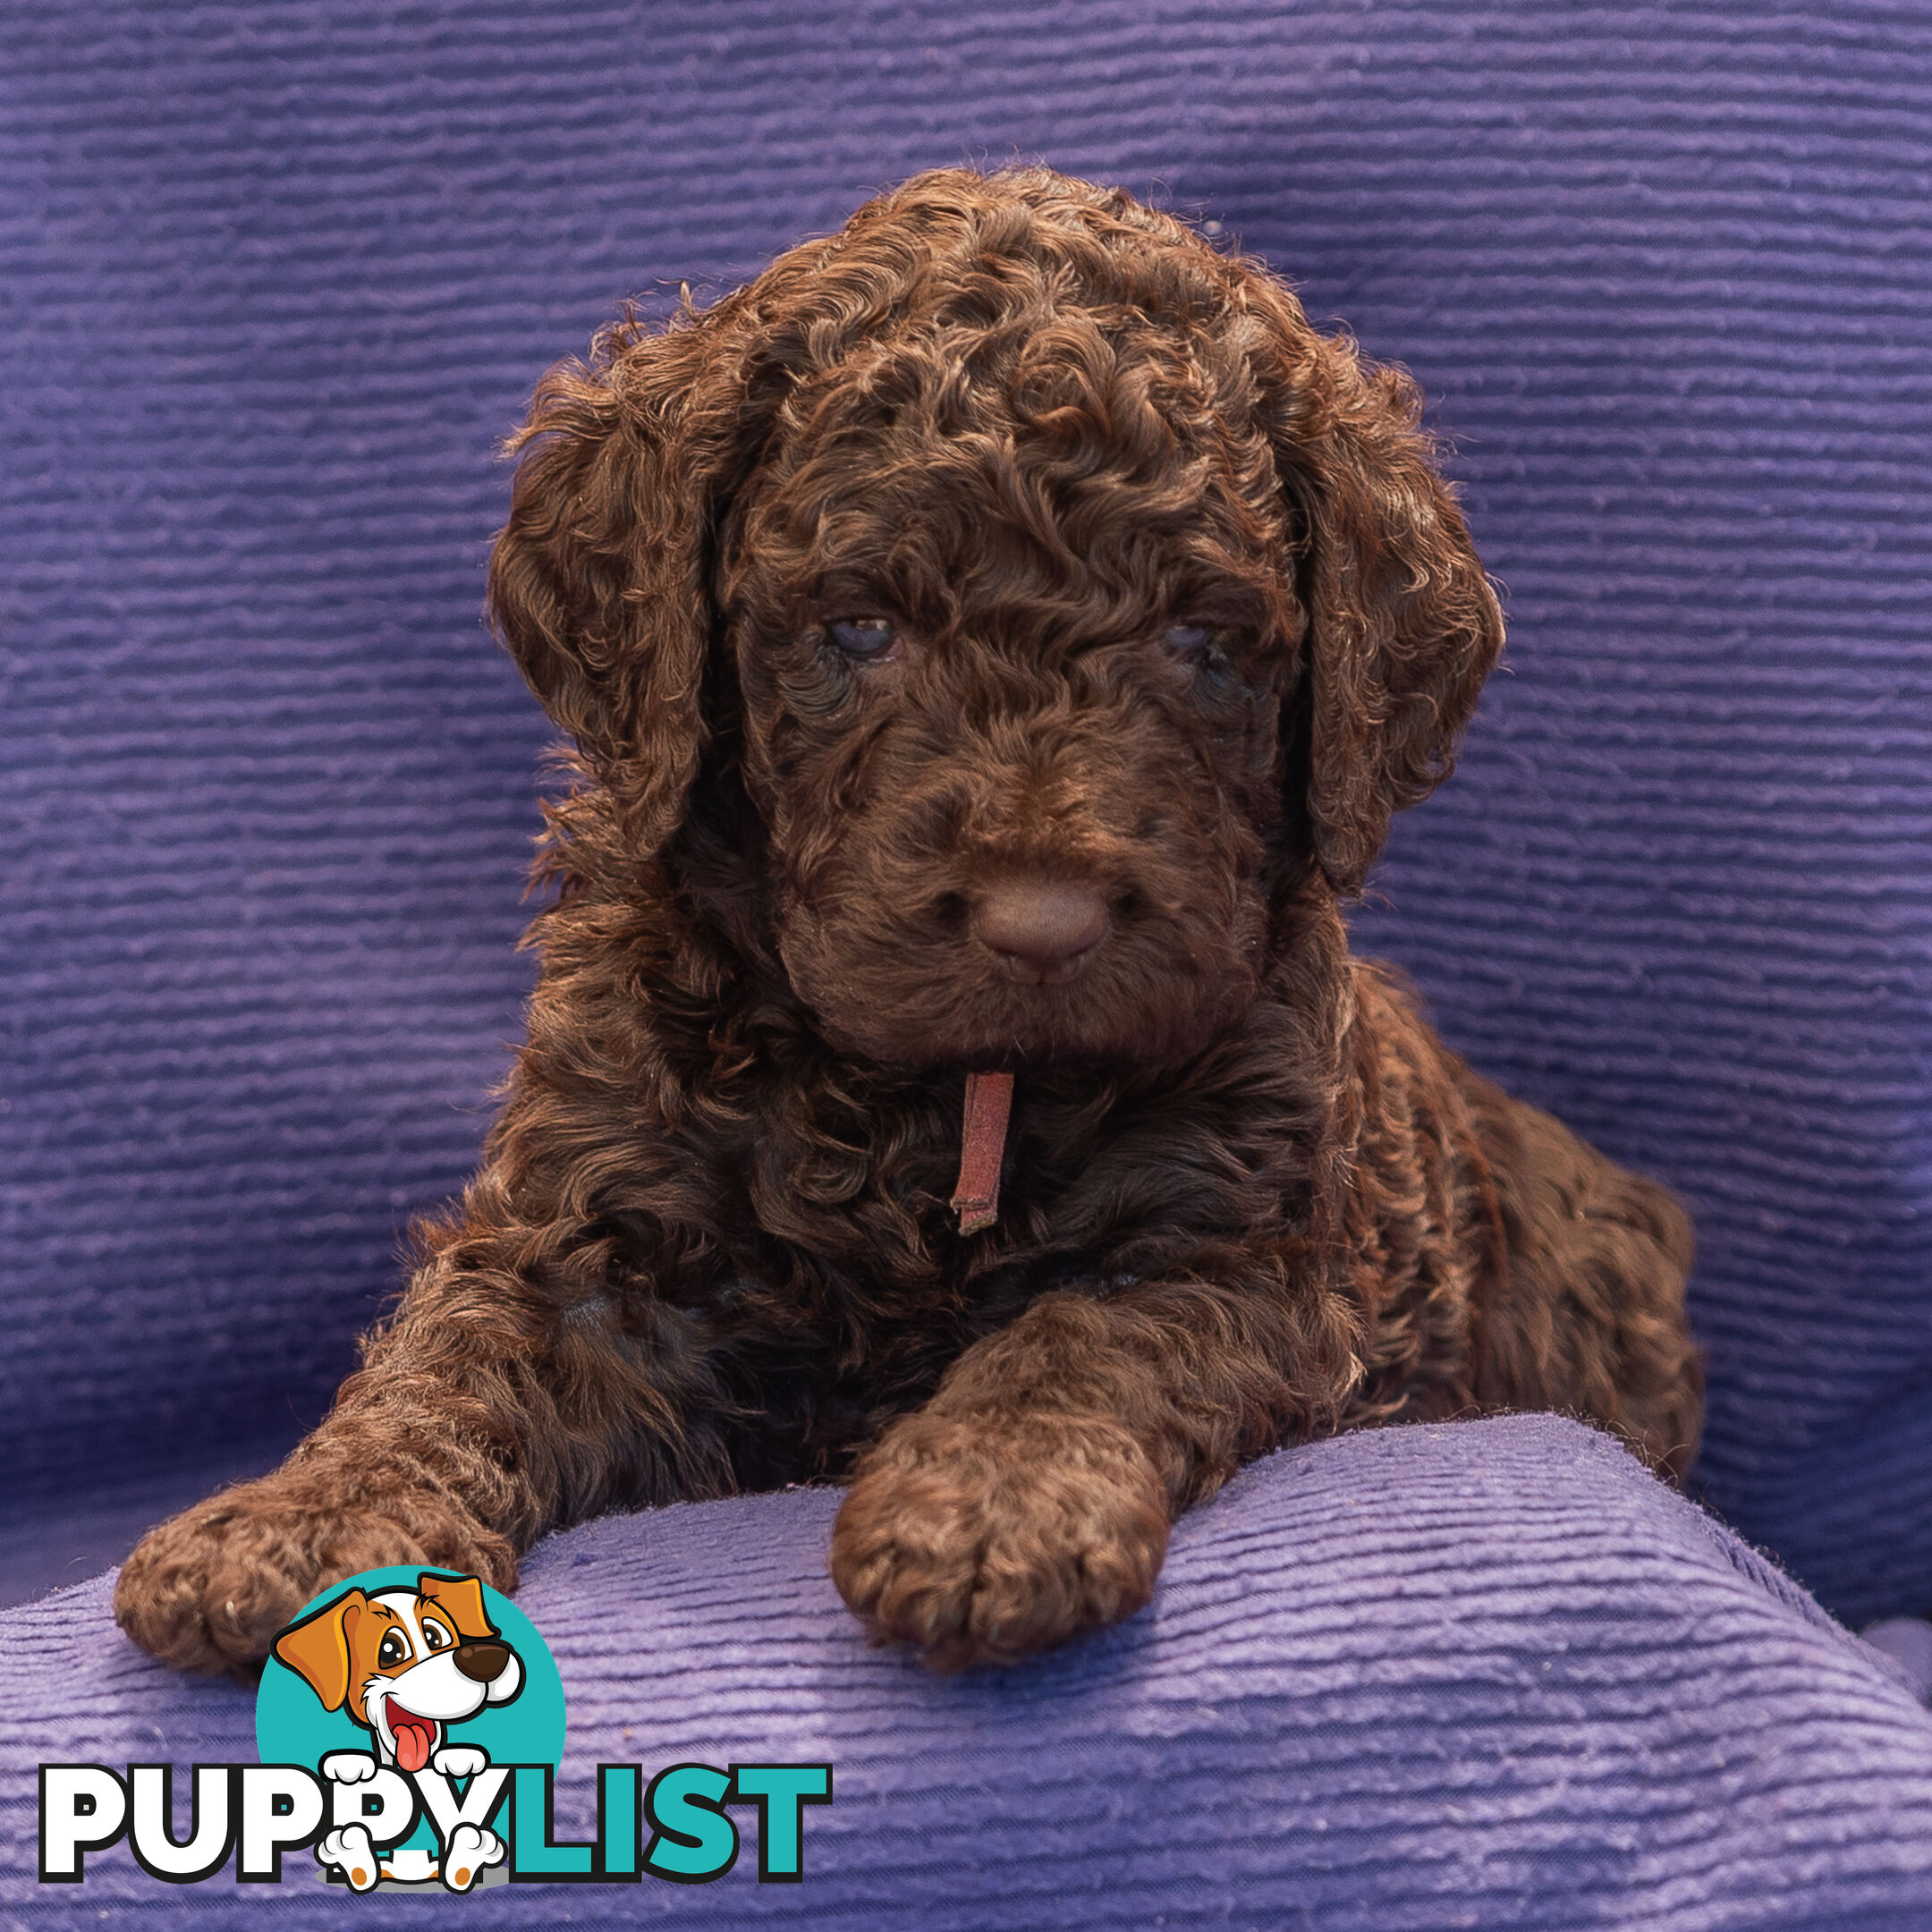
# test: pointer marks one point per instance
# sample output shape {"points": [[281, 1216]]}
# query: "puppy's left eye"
{"points": [[435, 1637], [1202, 647], [868, 638]]}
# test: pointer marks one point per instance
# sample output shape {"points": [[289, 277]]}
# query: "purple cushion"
{"points": [[278, 277], [1474, 1674]]}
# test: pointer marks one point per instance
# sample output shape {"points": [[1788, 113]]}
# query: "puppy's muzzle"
{"points": [[482, 1663], [1042, 931]]}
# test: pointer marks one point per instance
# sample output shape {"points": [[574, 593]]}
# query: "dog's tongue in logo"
{"points": [[415, 1737]]}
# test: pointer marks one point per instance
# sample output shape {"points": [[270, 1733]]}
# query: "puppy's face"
{"points": [[1063, 603], [1010, 604]]}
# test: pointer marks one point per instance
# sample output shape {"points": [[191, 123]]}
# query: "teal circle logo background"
{"points": [[291, 1727]]}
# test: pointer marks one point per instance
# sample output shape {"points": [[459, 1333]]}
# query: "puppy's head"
{"points": [[1062, 603], [405, 1663]]}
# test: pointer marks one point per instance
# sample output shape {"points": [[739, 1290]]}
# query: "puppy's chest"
{"points": [[861, 1230]]}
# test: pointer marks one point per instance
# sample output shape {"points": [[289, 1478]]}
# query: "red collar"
{"points": [[982, 1146]]}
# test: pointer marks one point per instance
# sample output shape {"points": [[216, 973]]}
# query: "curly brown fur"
{"points": [[995, 638]]}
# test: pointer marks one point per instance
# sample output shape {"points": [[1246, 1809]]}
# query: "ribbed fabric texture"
{"points": [[273, 280], [1487, 1675]]}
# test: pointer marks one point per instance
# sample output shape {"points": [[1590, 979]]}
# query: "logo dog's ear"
{"points": [[597, 584], [463, 1598], [1403, 625], [317, 1649]]}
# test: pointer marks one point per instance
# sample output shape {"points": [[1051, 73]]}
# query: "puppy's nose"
{"points": [[1042, 931], [483, 1662]]}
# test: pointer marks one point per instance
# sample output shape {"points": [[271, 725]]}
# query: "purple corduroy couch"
{"points": [[274, 279]]}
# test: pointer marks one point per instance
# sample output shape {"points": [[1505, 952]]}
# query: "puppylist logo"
{"points": [[411, 1725]]}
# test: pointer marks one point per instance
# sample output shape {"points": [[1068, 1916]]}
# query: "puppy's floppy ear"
{"points": [[597, 584], [463, 1598], [1404, 626], [317, 1650]]}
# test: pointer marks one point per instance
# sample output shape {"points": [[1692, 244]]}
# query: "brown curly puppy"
{"points": [[995, 639]]}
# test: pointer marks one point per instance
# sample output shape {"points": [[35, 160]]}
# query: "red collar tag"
{"points": [[982, 1148]]}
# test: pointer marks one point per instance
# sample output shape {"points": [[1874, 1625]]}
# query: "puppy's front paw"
{"points": [[986, 1540], [458, 1761], [350, 1852], [469, 1850], [209, 1588]]}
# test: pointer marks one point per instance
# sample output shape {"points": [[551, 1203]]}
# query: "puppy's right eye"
{"points": [[394, 1650], [868, 638]]}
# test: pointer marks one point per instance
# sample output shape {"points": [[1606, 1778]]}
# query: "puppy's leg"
{"points": [[1590, 1314], [1030, 1499], [518, 1387], [1533, 1273]]}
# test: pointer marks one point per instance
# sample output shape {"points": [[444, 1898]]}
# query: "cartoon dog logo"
{"points": [[405, 1665]]}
